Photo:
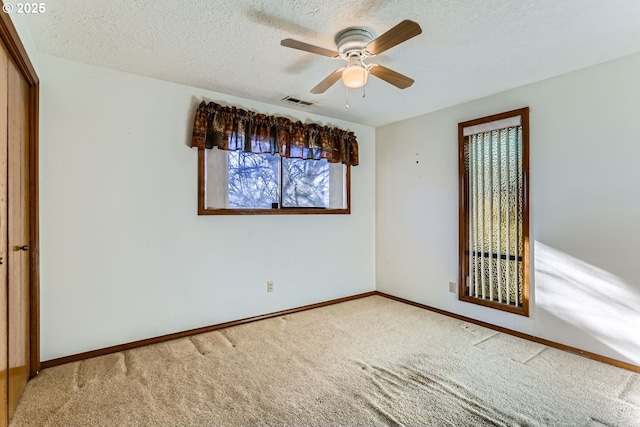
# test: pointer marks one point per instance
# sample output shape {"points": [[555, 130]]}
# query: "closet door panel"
{"points": [[4, 58], [18, 220]]}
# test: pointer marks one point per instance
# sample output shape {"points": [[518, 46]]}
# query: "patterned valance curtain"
{"points": [[231, 128]]}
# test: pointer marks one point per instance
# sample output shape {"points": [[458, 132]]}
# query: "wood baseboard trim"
{"points": [[190, 332], [548, 343], [176, 335]]}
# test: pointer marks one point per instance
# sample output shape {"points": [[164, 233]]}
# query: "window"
{"points": [[252, 163], [238, 182], [494, 211]]}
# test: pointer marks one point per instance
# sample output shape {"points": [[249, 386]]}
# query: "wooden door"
{"points": [[18, 234], [4, 59]]}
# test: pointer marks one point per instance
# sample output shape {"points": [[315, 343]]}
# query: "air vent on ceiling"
{"points": [[297, 101]]}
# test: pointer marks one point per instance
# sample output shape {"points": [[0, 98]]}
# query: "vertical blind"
{"points": [[494, 212]]}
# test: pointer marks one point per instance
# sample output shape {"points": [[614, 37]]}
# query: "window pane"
{"points": [[305, 183], [494, 220], [493, 168], [253, 180]]}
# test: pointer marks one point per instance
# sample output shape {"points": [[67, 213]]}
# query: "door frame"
{"points": [[18, 53]]}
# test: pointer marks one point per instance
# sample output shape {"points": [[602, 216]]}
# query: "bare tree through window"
{"points": [[253, 180], [305, 183], [234, 182]]}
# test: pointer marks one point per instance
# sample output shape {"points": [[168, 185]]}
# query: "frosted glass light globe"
{"points": [[355, 76]]}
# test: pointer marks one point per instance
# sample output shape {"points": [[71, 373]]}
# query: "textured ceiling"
{"points": [[467, 49]]}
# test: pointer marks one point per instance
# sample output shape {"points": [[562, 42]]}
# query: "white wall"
{"points": [[123, 254], [585, 208]]}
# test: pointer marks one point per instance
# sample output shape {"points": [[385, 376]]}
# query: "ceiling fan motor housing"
{"points": [[352, 41]]}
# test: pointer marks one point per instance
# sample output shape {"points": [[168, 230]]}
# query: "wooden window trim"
{"points": [[462, 223], [203, 210]]}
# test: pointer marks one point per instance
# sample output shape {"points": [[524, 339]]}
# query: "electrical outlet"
{"points": [[452, 287], [269, 286]]}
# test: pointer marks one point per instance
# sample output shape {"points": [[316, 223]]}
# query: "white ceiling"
{"points": [[467, 49]]}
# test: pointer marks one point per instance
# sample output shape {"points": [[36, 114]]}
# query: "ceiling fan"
{"points": [[355, 45]]}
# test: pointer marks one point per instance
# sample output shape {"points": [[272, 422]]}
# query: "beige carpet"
{"points": [[372, 361]]}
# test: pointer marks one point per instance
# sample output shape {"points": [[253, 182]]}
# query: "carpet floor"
{"points": [[366, 362]]}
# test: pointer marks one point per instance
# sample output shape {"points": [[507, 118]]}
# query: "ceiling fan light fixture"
{"points": [[355, 76], [356, 45]]}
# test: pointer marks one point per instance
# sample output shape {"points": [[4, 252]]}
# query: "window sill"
{"points": [[285, 211], [522, 310]]}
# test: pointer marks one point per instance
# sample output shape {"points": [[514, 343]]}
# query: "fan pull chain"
{"points": [[364, 79], [346, 103]]}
